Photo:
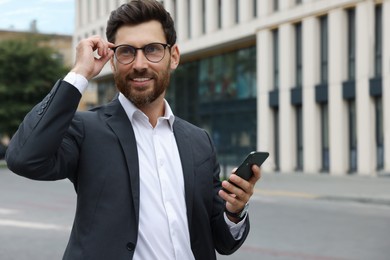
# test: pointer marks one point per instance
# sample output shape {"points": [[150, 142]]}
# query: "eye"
{"points": [[153, 48], [126, 51]]}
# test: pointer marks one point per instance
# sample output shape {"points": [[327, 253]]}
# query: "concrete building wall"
{"points": [[215, 28]]}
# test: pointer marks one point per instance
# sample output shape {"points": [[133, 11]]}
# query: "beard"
{"points": [[142, 98]]}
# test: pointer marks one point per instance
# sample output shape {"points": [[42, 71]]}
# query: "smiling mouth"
{"points": [[141, 79]]}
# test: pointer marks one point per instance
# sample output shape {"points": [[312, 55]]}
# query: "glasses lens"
{"points": [[125, 54], [154, 52]]}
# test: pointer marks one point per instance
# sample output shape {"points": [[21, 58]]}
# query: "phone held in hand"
{"points": [[245, 168]]}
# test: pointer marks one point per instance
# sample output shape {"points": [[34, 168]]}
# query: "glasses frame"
{"points": [[165, 45]]}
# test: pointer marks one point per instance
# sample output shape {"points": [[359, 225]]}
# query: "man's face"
{"points": [[143, 81]]}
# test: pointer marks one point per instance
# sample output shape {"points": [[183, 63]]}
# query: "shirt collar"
{"points": [[131, 109]]}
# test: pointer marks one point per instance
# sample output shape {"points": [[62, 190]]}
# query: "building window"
{"points": [[97, 8], [352, 136], [276, 137], [351, 44], [203, 16], [275, 57], [299, 129], [174, 10], [89, 12], [379, 133], [189, 18], [79, 13], [324, 49], [378, 41], [276, 5], [102, 32], [108, 9], [325, 137], [228, 76], [219, 90], [237, 11], [254, 8], [298, 55], [219, 14]]}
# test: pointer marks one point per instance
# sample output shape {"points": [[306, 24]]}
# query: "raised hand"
{"points": [[87, 62]]}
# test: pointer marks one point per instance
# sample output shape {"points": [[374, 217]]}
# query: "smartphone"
{"points": [[245, 168]]}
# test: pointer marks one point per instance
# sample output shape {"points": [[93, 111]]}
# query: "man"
{"points": [[147, 182]]}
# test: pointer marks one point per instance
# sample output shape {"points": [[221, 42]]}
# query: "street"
{"points": [[286, 223]]}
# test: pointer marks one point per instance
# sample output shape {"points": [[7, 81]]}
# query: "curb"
{"points": [[305, 195]]}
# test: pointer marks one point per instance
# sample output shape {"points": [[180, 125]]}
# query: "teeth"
{"points": [[141, 79]]}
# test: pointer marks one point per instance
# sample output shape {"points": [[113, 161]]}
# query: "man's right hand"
{"points": [[87, 64]]}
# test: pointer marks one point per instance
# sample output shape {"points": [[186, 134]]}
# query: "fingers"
{"points": [[102, 46], [256, 174], [247, 186], [87, 64], [237, 191]]}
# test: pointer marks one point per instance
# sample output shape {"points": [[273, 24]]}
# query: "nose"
{"points": [[140, 61]]}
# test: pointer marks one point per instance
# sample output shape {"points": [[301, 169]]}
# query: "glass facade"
{"points": [[275, 113], [325, 137], [299, 129], [298, 55], [352, 136], [275, 57], [351, 44], [379, 135], [218, 93], [378, 41], [324, 49]]}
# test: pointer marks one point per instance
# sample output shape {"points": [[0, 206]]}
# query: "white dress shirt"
{"points": [[163, 231]]}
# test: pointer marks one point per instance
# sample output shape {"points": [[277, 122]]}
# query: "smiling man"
{"points": [[147, 182]]}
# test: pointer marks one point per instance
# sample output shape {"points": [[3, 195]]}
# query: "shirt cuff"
{"points": [[236, 229], [77, 80]]}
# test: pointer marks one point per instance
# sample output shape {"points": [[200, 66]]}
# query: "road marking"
{"points": [[4, 211], [281, 193], [289, 254], [32, 225]]}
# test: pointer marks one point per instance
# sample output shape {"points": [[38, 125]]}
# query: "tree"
{"points": [[27, 73]]}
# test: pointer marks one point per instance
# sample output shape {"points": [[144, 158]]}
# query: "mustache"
{"points": [[140, 74]]}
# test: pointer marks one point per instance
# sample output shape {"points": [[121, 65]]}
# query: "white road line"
{"points": [[32, 225], [4, 211]]}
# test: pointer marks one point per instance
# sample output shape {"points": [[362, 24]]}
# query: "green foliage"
{"points": [[27, 73]]}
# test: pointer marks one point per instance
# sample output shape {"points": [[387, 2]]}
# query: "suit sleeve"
{"points": [[45, 145], [225, 243]]}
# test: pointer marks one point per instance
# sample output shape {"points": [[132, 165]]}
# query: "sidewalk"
{"points": [[365, 189]]}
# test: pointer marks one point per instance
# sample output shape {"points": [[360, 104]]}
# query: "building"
{"points": [[306, 80], [61, 43], [63, 46]]}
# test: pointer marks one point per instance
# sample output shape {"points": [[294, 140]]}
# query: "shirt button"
{"points": [[130, 246]]}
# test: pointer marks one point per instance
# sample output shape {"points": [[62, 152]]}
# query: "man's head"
{"points": [[145, 53], [139, 11]]}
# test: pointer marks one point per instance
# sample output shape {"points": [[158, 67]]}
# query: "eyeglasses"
{"points": [[154, 52]]}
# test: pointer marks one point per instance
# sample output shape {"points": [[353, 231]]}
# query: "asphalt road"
{"points": [[36, 217]]}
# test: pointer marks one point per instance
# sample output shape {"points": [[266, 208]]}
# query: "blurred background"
{"points": [[306, 80], [302, 79]]}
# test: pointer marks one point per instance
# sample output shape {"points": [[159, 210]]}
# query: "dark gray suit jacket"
{"points": [[97, 151]]}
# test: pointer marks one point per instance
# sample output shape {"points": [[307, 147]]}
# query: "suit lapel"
{"points": [[186, 157], [120, 124]]}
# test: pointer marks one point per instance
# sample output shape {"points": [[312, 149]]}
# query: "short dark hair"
{"points": [[139, 11]]}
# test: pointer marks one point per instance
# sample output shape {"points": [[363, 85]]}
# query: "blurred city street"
{"points": [[293, 216]]}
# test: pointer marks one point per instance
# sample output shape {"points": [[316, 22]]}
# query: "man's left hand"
{"points": [[239, 194]]}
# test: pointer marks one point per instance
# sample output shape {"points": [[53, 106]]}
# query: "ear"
{"points": [[112, 63], [175, 57]]}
